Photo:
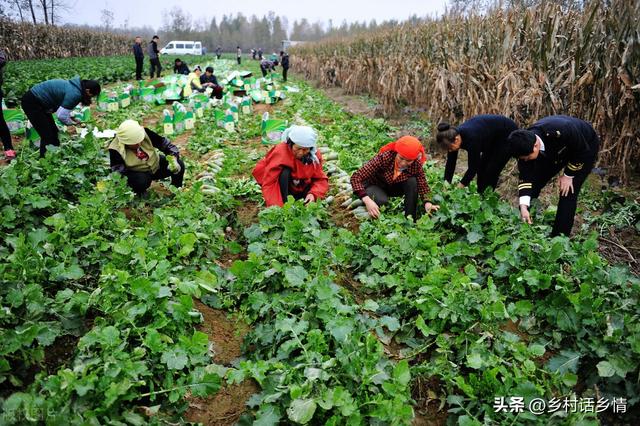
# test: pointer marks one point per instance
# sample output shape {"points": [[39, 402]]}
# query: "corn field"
{"points": [[28, 41], [525, 64]]}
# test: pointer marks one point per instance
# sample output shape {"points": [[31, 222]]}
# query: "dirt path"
{"points": [[225, 336]]}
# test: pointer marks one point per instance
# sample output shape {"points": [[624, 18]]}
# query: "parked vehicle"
{"points": [[178, 47]]}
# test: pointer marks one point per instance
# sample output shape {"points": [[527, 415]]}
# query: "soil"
{"points": [[181, 142], [225, 407], [622, 247], [247, 213], [352, 103], [225, 334], [262, 108], [228, 404], [343, 217], [428, 393], [60, 352], [16, 140], [512, 327], [150, 121]]}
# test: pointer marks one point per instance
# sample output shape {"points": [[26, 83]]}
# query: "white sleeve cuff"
{"points": [[526, 200], [570, 177]]}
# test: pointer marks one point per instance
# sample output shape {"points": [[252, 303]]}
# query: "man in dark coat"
{"points": [[138, 54], [550, 145], [284, 61]]}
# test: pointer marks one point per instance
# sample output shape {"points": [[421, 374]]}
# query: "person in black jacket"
{"points": [[484, 137], [138, 54], [180, 67], [284, 61], [154, 59], [551, 144], [208, 79]]}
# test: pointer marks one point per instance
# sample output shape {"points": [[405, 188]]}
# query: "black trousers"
{"points": [[407, 189], [285, 182], [490, 170], [41, 120], [5, 134], [155, 66], [139, 182], [218, 56], [284, 74], [545, 170], [239, 59], [139, 65], [264, 71]]}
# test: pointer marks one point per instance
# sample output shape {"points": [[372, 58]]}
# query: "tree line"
{"points": [[249, 32]]}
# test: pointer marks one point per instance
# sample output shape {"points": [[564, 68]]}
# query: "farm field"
{"points": [[203, 306]]}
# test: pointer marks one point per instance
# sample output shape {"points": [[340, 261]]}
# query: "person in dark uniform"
{"points": [[484, 137], [284, 60], [543, 150]]}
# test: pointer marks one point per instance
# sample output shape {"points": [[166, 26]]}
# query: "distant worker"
{"points": [[180, 67], [549, 145], [267, 66], [193, 82], [284, 61], [133, 154], [208, 79], [253, 53], [138, 54], [5, 134], [394, 172], [259, 53], [484, 137], [218, 52], [238, 54], [59, 96], [154, 59], [294, 168]]}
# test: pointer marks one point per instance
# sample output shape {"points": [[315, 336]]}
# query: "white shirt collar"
{"points": [[541, 143]]}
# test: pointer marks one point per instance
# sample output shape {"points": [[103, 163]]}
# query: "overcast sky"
{"points": [[149, 12]]}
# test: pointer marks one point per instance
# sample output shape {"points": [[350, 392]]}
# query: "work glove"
{"points": [[174, 166]]}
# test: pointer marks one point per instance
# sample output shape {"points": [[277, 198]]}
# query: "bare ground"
{"points": [[227, 405]]}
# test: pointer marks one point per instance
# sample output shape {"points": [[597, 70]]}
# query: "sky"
{"points": [[149, 12]]}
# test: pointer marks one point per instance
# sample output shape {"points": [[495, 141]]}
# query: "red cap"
{"points": [[409, 147]]}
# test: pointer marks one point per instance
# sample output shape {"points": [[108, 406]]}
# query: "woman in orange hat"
{"points": [[395, 171]]}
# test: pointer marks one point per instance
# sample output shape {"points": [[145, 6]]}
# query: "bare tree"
{"points": [[17, 5], [107, 16], [33, 13], [21, 8], [57, 8], [45, 11]]}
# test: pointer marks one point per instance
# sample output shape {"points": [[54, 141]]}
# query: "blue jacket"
{"points": [[57, 93], [137, 51]]}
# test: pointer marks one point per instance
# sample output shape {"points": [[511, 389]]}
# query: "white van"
{"points": [[177, 47]]}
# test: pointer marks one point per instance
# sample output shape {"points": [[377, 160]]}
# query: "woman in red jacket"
{"points": [[294, 168]]}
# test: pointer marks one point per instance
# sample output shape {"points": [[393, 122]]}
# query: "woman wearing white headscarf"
{"points": [[133, 152], [294, 168]]}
